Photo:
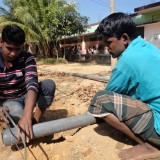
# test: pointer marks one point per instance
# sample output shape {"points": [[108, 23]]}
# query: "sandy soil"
{"points": [[73, 95]]}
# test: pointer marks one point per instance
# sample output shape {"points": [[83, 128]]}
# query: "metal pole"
{"points": [[112, 10]]}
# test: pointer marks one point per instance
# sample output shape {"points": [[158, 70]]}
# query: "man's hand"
{"points": [[25, 126], [25, 122], [2, 117]]}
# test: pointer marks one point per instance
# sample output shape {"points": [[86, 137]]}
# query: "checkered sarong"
{"points": [[135, 114]]}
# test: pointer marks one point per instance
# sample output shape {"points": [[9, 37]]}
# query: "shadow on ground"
{"points": [[105, 129]]}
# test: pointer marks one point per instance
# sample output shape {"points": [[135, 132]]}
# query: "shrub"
{"points": [[52, 60]]}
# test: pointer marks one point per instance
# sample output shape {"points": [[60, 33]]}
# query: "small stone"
{"points": [[69, 138]]}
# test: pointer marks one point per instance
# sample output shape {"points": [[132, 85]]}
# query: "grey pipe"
{"points": [[50, 127], [87, 76], [91, 76]]}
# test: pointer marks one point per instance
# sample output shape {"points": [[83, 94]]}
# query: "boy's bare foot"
{"points": [[139, 152], [37, 114]]}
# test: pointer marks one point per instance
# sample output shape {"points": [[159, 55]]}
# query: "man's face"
{"points": [[10, 51], [115, 46]]}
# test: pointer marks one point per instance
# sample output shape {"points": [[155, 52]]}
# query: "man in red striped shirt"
{"points": [[19, 87]]}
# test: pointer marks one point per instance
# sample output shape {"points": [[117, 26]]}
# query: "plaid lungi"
{"points": [[135, 114]]}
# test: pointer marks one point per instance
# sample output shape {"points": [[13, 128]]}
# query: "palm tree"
{"points": [[29, 15], [43, 20]]}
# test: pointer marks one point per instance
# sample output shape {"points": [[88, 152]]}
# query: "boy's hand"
{"points": [[25, 126]]}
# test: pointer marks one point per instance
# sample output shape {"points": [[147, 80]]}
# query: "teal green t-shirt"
{"points": [[137, 74]]}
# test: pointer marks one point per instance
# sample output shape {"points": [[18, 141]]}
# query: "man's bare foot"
{"points": [[139, 152], [37, 114]]}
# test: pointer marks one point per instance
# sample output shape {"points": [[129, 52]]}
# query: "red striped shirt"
{"points": [[22, 76]]}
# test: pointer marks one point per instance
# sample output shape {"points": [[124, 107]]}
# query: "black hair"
{"points": [[117, 24], [13, 34]]}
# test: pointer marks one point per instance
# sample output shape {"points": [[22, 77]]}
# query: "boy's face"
{"points": [[10, 51], [115, 46]]}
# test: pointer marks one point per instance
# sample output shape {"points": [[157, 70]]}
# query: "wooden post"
{"points": [[112, 10]]}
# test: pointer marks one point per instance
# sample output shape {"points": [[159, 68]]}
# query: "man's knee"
{"points": [[103, 93], [102, 96], [46, 93], [47, 87], [101, 103], [15, 109]]}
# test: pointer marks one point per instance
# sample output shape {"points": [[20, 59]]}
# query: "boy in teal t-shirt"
{"points": [[131, 99]]}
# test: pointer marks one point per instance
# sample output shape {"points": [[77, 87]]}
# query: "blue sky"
{"points": [[96, 10]]}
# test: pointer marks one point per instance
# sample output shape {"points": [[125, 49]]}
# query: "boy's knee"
{"points": [[47, 87], [102, 93], [46, 93], [15, 109]]}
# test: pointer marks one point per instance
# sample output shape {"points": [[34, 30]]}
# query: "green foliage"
{"points": [[64, 19], [40, 59], [51, 60], [43, 20], [28, 14]]}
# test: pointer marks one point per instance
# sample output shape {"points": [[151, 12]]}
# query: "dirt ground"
{"points": [[73, 96]]}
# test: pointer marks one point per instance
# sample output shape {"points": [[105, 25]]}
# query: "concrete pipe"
{"points": [[50, 127]]}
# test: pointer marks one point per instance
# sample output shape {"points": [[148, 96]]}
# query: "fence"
{"points": [[97, 58]]}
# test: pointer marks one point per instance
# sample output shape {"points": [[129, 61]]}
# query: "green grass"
{"points": [[52, 60]]}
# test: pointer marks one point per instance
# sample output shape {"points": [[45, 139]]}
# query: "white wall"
{"points": [[150, 32]]}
